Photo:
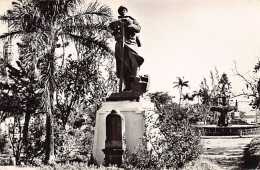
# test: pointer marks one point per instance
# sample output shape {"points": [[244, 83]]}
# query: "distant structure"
{"points": [[5, 58]]}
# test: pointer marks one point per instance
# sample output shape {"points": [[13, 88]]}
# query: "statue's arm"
{"points": [[134, 26], [131, 24], [115, 26]]}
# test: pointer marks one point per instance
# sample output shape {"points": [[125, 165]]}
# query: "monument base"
{"points": [[113, 156], [124, 96], [131, 109]]}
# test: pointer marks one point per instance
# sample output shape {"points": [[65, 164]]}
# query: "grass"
{"points": [[75, 166], [201, 164]]}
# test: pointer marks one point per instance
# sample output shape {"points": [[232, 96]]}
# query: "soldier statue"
{"points": [[127, 59]]}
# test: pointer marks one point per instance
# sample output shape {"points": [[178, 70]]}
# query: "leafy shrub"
{"points": [[5, 161], [74, 145], [5, 150], [252, 154], [33, 152], [4, 143], [75, 166], [201, 164], [170, 140]]}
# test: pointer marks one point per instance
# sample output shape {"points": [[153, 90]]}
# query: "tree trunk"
{"points": [[26, 127], [49, 142], [25, 130], [49, 92], [180, 96]]}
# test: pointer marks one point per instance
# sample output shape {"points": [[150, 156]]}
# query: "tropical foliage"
{"points": [[252, 88], [219, 92], [64, 80], [252, 154], [170, 140], [180, 83], [20, 100]]}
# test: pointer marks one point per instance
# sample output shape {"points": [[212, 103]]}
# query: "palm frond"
{"points": [[95, 8], [91, 41], [11, 34], [176, 86]]}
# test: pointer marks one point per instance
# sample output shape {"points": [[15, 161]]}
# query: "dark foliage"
{"points": [[170, 140], [251, 154]]}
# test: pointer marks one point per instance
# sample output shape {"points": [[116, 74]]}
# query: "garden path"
{"points": [[225, 151]]}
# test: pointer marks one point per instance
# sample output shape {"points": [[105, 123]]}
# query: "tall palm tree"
{"points": [[47, 22], [180, 83]]}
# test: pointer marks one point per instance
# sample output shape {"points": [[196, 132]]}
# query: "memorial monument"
{"points": [[120, 121]]}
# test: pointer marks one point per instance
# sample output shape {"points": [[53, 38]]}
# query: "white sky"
{"points": [[191, 37]]}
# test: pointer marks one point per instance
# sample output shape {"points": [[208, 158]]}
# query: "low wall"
{"points": [[231, 130]]}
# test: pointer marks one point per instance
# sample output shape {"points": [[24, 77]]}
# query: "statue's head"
{"points": [[122, 10]]}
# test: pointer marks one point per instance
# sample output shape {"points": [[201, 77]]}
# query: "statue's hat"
{"points": [[121, 8]]}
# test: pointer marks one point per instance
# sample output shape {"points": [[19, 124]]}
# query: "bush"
{"points": [[75, 166], [5, 161], [74, 145], [33, 152], [252, 154], [201, 164], [5, 145], [170, 140]]}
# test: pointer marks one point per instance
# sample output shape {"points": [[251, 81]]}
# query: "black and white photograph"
{"points": [[129, 84]]}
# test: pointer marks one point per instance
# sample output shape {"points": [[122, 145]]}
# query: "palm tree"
{"points": [[188, 97], [47, 22], [180, 83], [198, 94]]}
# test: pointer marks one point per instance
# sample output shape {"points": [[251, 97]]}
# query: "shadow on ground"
{"points": [[228, 153]]}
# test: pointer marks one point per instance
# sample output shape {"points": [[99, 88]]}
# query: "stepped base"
{"points": [[231, 130]]}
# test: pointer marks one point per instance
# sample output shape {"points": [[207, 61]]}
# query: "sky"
{"points": [[188, 38]]}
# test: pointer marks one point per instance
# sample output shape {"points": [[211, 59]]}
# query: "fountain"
{"points": [[225, 128]]}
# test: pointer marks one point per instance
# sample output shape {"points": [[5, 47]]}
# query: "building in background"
{"points": [[6, 54]]}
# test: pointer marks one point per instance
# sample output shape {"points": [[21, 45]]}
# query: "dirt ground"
{"points": [[226, 151]]}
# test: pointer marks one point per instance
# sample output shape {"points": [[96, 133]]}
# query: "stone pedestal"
{"points": [[131, 110], [113, 156]]}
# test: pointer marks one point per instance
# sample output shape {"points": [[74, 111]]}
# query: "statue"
{"points": [[127, 59]]}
